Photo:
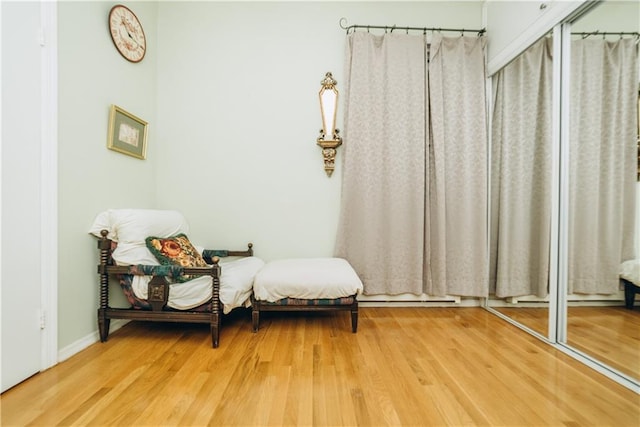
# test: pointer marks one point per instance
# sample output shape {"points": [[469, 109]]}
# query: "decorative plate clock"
{"points": [[127, 33]]}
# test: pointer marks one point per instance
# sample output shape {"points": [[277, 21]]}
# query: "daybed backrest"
{"points": [[130, 227]]}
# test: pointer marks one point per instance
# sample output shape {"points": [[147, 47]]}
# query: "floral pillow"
{"points": [[175, 250]]}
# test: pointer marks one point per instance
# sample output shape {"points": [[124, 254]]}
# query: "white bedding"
{"points": [[236, 283], [130, 227], [630, 270], [306, 278]]}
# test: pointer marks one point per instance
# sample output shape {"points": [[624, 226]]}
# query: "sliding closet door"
{"points": [[590, 169], [600, 168], [522, 153]]}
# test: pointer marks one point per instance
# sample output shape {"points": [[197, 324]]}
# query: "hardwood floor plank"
{"points": [[405, 366]]}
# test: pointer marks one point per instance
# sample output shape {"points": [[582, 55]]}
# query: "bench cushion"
{"points": [[306, 278], [630, 271]]}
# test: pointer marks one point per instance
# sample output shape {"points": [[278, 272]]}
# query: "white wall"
{"points": [[238, 115], [92, 76]]}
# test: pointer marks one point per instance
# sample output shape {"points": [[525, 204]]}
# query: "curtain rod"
{"points": [[606, 33], [391, 28]]}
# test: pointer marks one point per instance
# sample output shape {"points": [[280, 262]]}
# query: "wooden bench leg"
{"points": [[354, 318], [255, 316], [629, 294]]}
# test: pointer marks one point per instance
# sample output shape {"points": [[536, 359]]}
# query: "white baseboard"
{"points": [[407, 300], [86, 341]]}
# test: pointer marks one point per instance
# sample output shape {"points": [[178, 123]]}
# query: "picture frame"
{"points": [[127, 133]]}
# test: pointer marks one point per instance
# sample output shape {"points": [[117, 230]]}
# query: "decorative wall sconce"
{"points": [[329, 138]]}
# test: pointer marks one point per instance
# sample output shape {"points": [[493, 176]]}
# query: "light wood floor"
{"points": [[405, 366]]}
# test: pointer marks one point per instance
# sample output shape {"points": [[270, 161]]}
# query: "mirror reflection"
{"points": [[521, 161], [603, 226], [328, 107], [328, 100]]}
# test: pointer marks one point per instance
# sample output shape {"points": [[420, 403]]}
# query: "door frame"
{"points": [[49, 182]]}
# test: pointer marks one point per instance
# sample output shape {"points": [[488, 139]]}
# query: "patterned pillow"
{"points": [[175, 250]]}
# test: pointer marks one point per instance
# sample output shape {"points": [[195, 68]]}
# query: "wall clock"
{"points": [[127, 33]]}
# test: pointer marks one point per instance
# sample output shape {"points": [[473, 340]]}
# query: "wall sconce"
{"points": [[329, 138]]}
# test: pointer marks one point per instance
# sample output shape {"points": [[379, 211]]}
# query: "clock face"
{"points": [[127, 33]]}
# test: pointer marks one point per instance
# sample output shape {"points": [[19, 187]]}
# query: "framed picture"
{"points": [[127, 133]]}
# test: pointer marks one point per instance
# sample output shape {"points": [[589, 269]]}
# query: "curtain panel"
{"points": [[457, 196], [381, 224], [413, 206]]}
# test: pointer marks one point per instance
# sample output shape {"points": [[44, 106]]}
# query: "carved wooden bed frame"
{"points": [[158, 291]]}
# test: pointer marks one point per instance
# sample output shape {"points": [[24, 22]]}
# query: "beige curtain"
{"points": [[382, 204], [384, 228], [603, 156], [521, 174], [457, 200]]}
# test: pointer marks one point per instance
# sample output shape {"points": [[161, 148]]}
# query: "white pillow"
{"points": [[135, 225], [130, 228], [133, 254], [102, 222]]}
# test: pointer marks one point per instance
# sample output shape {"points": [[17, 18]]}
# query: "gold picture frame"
{"points": [[127, 133]]}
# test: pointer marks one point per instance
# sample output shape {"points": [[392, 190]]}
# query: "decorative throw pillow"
{"points": [[175, 250]]}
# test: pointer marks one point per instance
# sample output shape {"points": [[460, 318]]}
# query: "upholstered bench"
{"points": [[630, 278], [306, 284]]}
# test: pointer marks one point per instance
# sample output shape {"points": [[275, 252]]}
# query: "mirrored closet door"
{"points": [[601, 227], [565, 189], [521, 187]]}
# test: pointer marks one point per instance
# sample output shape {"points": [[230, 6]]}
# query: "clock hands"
{"points": [[126, 25]]}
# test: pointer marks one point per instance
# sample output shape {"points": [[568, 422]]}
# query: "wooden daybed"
{"points": [[156, 302]]}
